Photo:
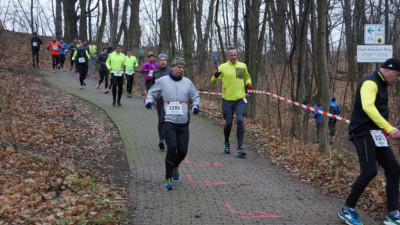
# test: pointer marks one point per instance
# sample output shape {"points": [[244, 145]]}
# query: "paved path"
{"points": [[230, 191]]}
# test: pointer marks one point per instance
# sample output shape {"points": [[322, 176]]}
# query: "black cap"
{"points": [[392, 64], [35, 33]]}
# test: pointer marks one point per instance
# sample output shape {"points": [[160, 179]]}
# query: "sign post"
{"points": [[374, 49]]}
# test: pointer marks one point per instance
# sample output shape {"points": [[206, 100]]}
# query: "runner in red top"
{"points": [[54, 45]]}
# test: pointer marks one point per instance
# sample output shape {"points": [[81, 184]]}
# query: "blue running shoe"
{"points": [[175, 173], [127, 95], [241, 153], [349, 216], [81, 87], [169, 185], [227, 148], [84, 84], [391, 220]]}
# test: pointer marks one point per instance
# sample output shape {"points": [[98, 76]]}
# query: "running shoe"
{"points": [[113, 103], [175, 173], [241, 153], [119, 103], [169, 185], [129, 96], [391, 220], [84, 84], [56, 67], [106, 91], [54, 71], [161, 144], [227, 149], [350, 216], [81, 88], [98, 86]]}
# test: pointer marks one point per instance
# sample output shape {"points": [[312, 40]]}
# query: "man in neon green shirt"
{"points": [[131, 63], [368, 130], [92, 53], [116, 64], [234, 76]]}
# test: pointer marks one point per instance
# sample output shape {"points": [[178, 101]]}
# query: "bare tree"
{"points": [[134, 25], [185, 23], [202, 40], [100, 32], [58, 21], [123, 27], [83, 20], [114, 25], [221, 44], [166, 27], [70, 20]]}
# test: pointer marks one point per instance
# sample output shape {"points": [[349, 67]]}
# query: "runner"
{"points": [[82, 58], [177, 91], [116, 63], [54, 45], [109, 48], [85, 45], [141, 55], [62, 53], [334, 109], [73, 46], [131, 63], [148, 68], [93, 55], [162, 70], [317, 116], [35, 43], [234, 76], [103, 70], [368, 130]]}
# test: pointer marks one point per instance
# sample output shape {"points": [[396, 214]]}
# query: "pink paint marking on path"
{"points": [[201, 164], [205, 182], [257, 214]]}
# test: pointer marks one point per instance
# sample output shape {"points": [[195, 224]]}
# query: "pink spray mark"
{"points": [[256, 214], [204, 182], [201, 164]]}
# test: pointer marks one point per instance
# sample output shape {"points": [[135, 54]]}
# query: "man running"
{"points": [[116, 63], [177, 92], [62, 53], [148, 68], [131, 63], [72, 47], [161, 71], [334, 109], [82, 58], [103, 70], [54, 45], [368, 130], [35, 43], [234, 76], [92, 53]]}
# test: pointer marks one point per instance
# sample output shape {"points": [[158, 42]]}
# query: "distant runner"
{"points": [[103, 70], [131, 63], [54, 45], [35, 43], [72, 47], [82, 58], [148, 68], [116, 63], [62, 53]]}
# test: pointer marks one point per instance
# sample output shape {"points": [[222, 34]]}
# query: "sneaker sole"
{"points": [[169, 189], [344, 219], [175, 178]]}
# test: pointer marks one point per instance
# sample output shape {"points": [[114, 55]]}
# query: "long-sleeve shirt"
{"points": [[36, 43], [62, 50], [147, 67], [54, 46], [76, 54], [115, 62], [101, 60], [130, 63]]}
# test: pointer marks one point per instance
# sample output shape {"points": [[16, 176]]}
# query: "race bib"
{"points": [[174, 108], [81, 60], [129, 72], [151, 73], [117, 73], [55, 47], [379, 139], [245, 100], [34, 44]]}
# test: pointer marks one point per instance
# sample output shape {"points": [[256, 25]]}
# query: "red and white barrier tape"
{"points": [[289, 101]]}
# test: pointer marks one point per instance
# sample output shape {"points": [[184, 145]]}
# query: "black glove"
{"points": [[217, 73]]}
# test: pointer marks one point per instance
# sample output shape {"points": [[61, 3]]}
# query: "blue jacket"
{"points": [[62, 50], [317, 116], [335, 106]]}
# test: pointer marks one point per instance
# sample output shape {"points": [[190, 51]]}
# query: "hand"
{"points": [[395, 134], [123, 65], [217, 73], [249, 87], [195, 109], [148, 105]]}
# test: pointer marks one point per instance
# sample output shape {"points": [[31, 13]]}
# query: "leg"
{"points": [[160, 104], [148, 85], [120, 81], [57, 60], [72, 61], [102, 73], [129, 81], [183, 143], [82, 77], [114, 87], [54, 61], [240, 109], [33, 57], [105, 80], [62, 60], [172, 144], [227, 110], [37, 58], [366, 152]]}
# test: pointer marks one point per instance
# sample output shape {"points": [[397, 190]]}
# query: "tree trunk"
{"points": [[123, 26], [323, 72], [278, 24], [83, 21], [70, 20], [89, 16], [134, 26], [202, 41], [221, 44], [236, 23], [114, 25], [100, 31], [31, 22], [166, 29], [111, 15], [185, 23]]}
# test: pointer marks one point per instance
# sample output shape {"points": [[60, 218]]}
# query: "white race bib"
{"points": [[129, 72], [34, 44], [117, 73], [81, 59], [151, 73], [55, 47], [174, 108], [245, 100], [379, 139]]}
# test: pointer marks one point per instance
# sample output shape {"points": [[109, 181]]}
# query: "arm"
{"points": [[108, 63], [153, 93], [135, 62], [74, 56], [368, 93], [87, 54], [48, 46], [215, 80], [194, 95], [145, 68]]}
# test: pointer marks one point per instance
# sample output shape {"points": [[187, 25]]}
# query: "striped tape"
{"points": [[289, 101]]}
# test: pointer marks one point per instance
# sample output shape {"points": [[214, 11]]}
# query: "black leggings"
{"points": [[72, 61], [160, 104], [56, 60], [332, 126], [177, 140], [129, 83], [117, 81], [368, 156], [148, 85], [62, 60], [35, 54], [104, 76]]}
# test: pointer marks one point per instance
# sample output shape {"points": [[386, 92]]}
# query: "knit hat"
{"points": [[162, 56], [117, 45], [178, 61], [333, 99], [129, 50], [151, 54], [392, 64]]}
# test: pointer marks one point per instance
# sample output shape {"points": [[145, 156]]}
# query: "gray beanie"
{"points": [[178, 61], [162, 56]]}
